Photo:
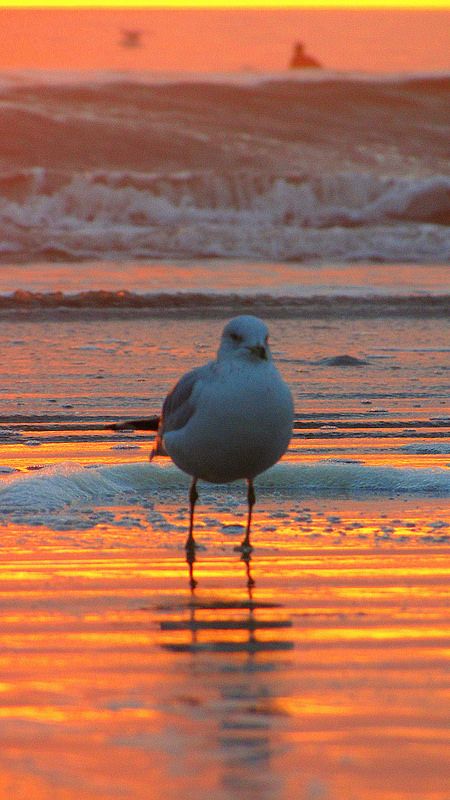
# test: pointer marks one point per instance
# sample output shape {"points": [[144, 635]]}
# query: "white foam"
{"points": [[70, 484], [243, 77], [62, 485], [345, 216], [129, 198]]}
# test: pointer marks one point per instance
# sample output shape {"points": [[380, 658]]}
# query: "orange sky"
{"points": [[222, 40]]}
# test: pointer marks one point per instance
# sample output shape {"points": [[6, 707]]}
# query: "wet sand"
{"points": [[327, 679]]}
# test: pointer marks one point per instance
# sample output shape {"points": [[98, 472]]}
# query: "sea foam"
{"points": [[70, 484]]}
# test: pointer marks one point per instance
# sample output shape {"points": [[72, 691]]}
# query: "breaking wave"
{"points": [[274, 168], [206, 214], [39, 196], [69, 484], [161, 304]]}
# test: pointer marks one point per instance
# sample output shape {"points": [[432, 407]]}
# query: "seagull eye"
{"points": [[235, 337]]}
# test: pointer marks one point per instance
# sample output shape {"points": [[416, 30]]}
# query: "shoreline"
{"points": [[123, 305]]}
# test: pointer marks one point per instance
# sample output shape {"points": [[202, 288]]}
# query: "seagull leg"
{"points": [[193, 497], [246, 546]]}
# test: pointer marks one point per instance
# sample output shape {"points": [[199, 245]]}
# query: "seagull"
{"points": [[230, 419]]}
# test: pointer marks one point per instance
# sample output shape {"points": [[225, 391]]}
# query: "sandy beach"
{"points": [[325, 681]]}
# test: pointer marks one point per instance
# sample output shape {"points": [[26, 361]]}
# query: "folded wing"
{"points": [[178, 407]]}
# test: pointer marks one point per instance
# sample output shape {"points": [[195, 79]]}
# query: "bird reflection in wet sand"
{"points": [[193, 583], [230, 682]]}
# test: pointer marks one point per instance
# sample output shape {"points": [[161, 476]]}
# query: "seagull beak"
{"points": [[259, 351]]}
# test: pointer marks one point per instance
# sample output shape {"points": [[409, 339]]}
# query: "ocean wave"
{"points": [[56, 487], [379, 244], [249, 171], [205, 214], [45, 197], [13, 78], [220, 124], [122, 302]]}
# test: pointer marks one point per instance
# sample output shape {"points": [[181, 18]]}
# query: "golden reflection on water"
{"points": [[318, 669]]}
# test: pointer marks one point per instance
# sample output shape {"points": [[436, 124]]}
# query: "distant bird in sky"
{"points": [[131, 38]]}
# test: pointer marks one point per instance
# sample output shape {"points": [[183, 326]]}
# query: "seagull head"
{"points": [[245, 336]]}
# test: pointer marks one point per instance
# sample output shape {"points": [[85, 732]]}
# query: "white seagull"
{"points": [[230, 419]]}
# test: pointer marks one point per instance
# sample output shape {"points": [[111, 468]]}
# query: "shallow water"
{"points": [[388, 407], [326, 679]]}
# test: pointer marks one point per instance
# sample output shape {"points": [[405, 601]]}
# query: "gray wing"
{"points": [[178, 407]]}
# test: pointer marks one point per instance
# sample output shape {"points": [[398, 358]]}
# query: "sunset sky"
{"points": [[217, 40]]}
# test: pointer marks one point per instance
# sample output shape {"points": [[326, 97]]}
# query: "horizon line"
{"points": [[255, 5]]}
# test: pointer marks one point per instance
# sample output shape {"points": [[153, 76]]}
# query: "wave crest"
{"points": [[243, 213], [66, 484]]}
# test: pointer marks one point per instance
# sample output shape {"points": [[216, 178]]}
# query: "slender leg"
{"points": [[193, 497], [246, 546]]}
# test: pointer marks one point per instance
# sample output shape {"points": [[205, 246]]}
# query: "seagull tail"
{"points": [[148, 424]]}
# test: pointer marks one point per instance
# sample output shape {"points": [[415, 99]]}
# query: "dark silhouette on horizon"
{"points": [[300, 59]]}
